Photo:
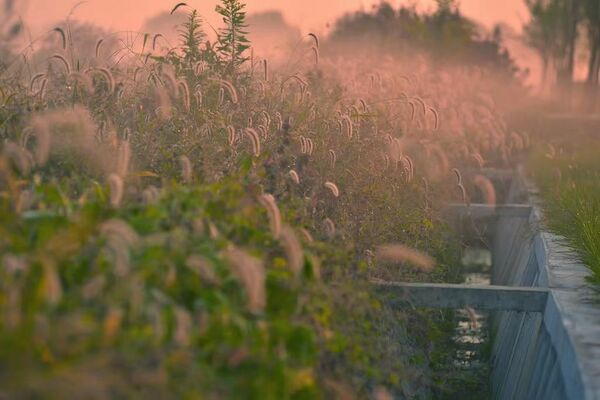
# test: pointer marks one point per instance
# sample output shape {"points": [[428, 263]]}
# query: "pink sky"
{"points": [[120, 15]]}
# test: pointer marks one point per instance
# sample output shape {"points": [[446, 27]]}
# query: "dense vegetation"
{"points": [[560, 30], [188, 222], [567, 171]]}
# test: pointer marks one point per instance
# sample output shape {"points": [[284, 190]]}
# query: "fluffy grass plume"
{"points": [[486, 187], [250, 272], [397, 253]]}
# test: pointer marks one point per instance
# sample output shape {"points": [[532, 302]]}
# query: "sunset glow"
{"points": [[307, 14], [299, 199]]}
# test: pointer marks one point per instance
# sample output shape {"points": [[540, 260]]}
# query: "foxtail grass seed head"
{"points": [[183, 326], [164, 103], [52, 286], [363, 103], [231, 135], [307, 236], [293, 249], [34, 79], [63, 37], [123, 158], [551, 154], [386, 162], [478, 159], [294, 177], [252, 135], [116, 186], [332, 158], [231, 91], [381, 393], [463, 192], [310, 146], [155, 40], [221, 97], [436, 118], [150, 195], [203, 268], [186, 169], [486, 187], [267, 119], [333, 188], [185, 94], [64, 62], [266, 70], [120, 238], [302, 144], [456, 172], [112, 323], [263, 131], [268, 201], [413, 110], [121, 230], [329, 227], [98, 45], [250, 272], [472, 317], [110, 79], [20, 158], [397, 253], [199, 96], [213, 231], [348, 128]]}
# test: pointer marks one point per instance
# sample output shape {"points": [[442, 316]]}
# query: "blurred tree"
{"points": [[10, 28], [553, 31], [445, 35], [592, 19]]}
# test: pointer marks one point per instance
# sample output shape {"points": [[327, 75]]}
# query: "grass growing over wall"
{"points": [[568, 175]]}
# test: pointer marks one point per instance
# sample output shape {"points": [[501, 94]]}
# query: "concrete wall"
{"points": [[549, 355]]}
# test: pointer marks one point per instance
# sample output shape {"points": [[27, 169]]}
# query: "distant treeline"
{"points": [[558, 30], [444, 35]]}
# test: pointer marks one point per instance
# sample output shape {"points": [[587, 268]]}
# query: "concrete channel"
{"points": [[544, 320]]}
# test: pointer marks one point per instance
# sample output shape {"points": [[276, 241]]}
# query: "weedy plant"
{"points": [[173, 225], [568, 179]]}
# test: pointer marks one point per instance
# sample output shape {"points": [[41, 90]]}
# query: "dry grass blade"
{"points": [[316, 39], [472, 317]]}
